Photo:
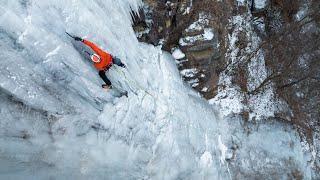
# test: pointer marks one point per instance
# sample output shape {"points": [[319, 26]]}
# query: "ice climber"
{"points": [[102, 60]]}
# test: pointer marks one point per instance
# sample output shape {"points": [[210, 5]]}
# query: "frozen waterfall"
{"points": [[57, 123]]}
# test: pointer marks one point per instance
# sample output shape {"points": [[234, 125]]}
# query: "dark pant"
{"points": [[102, 73], [103, 76]]}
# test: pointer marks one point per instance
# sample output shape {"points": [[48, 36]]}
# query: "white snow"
{"points": [[229, 99], [199, 25], [189, 40], [189, 72], [241, 2], [178, 54], [300, 14], [187, 11], [260, 4], [208, 34], [205, 89]]}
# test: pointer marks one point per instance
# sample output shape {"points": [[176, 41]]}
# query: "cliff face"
{"points": [[257, 58], [192, 33]]}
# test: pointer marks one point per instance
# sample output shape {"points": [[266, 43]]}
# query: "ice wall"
{"points": [[56, 121]]}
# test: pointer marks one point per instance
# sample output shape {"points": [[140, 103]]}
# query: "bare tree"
{"points": [[293, 61]]}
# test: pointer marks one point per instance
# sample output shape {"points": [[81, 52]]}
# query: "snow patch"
{"points": [[208, 34], [205, 89], [194, 82], [260, 4], [200, 25], [189, 72], [229, 100], [178, 54]]}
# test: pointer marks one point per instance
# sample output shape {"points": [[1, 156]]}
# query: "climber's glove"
{"points": [[78, 39]]}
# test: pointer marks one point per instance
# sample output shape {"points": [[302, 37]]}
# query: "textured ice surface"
{"points": [[57, 123]]}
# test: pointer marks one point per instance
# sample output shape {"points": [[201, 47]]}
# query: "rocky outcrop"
{"points": [[201, 45], [161, 22], [188, 27]]}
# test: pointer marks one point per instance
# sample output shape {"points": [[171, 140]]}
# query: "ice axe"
{"points": [[70, 35], [74, 37]]}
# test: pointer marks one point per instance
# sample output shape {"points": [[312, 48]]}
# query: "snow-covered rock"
{"points": [[178, 54]]}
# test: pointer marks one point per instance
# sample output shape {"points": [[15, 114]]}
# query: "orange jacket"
{"points": [[106, 58]]}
